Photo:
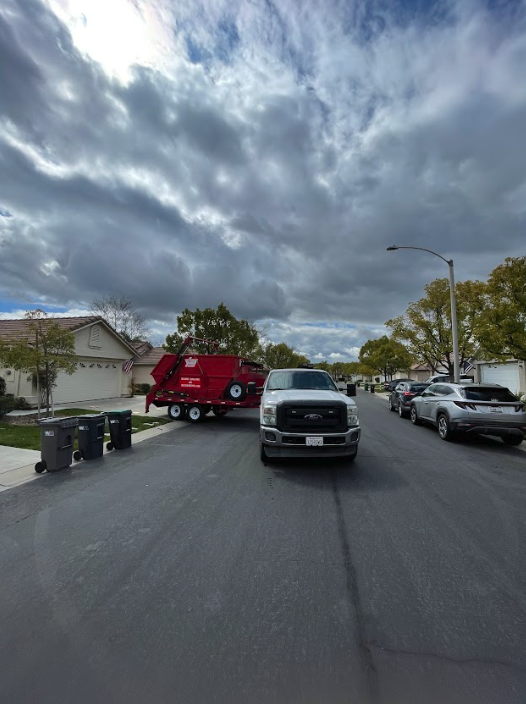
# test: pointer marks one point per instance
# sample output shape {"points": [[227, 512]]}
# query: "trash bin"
{"points": [[56, 443], [373, 388], [120, 429], [90, 437], [351, 389], [366, 386]]}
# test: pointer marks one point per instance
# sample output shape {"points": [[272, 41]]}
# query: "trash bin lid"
{"points": [[60, 421], [117, 412]]}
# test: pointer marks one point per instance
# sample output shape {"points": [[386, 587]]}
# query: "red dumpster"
{"points": [[192, 385]]}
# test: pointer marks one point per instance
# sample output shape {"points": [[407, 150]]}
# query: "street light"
{"points": [[454, 327]]}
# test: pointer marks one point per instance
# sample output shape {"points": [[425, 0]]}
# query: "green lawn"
{"points": [[28, 436]]}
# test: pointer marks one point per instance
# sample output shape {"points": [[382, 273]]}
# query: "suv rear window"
{"points": [[489, 394], [417, 387]]}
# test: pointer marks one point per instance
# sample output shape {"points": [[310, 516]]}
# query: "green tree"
{"points": [[425, 327], [502, 329], [385, 355], [281, 356], [235, 336], [47, 349]]}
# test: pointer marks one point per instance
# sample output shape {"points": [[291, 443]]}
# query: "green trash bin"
{"points": [[90, 436], [366, 386], [56, 443], [120, 429]]}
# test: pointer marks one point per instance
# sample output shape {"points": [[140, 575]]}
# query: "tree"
{"points": [[281, 356], [121, 314], [502, 329], [235, 336], [425, 327], [48, 349], [385, 355]]}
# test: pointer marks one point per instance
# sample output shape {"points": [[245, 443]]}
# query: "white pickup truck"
{"points": [[303, 414]]}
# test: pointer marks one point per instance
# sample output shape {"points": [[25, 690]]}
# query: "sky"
{"points": [[258, 153]]}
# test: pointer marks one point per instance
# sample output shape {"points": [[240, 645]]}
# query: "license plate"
{"points": [[495, 409], [315, 442]]}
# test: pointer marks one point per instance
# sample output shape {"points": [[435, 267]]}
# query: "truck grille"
{"points": [[301, 418]]}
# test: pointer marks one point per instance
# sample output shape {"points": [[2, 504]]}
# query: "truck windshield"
{"points": [[300, 380]]}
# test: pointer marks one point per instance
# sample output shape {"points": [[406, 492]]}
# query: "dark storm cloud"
{"points": [[271, 178]]}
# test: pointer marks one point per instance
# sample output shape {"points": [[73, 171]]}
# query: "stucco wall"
{"points": [[141, 374]]}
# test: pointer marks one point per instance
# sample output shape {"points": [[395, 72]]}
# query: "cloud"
{"points": [[259, 154]]}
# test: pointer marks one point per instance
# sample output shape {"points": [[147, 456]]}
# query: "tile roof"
{"points": [[17, 329], [152, 356], [141, 348]]}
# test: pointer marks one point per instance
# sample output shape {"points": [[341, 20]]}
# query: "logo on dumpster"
{"points": [[114, 421], [83, 427], [190, 362], [190, 382], [49, 433]]}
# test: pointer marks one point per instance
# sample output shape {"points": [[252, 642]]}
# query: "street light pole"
{"points": [[454, 324]]}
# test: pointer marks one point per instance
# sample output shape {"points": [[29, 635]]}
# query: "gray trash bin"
{"points": [[90, 436], [56, 443]]}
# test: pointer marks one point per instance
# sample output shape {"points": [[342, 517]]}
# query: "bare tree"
{"points": [[121, 314]]}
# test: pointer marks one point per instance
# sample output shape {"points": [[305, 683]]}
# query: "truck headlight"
{"points": [[269, 414], [352, 416]]}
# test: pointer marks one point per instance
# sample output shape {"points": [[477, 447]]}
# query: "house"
{"points": [[511, 374], [99, 373], [420, 372], [146, 358]]}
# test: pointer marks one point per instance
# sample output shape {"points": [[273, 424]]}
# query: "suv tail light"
{"points": [[464, 405], [408, 393]]}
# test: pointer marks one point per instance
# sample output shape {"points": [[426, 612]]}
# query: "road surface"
{"points": [[186, 571]]}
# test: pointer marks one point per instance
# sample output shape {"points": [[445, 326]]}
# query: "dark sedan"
{"points": [[391, 385], [400, 397]]}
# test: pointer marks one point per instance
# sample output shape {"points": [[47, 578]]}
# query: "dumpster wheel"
{"points": [[195, 413], [40, 467], [177, 411], [236, 391]]}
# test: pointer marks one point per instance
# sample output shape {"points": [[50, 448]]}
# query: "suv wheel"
{"points": [[415, 420], [444, 429], [390, 404], [401, 410], [512, 439]]}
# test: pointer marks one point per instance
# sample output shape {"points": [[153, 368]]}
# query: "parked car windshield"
{"points": [[489, 394], [417, 388], [300, 380]]}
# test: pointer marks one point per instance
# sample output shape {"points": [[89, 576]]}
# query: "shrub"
{"points": [[142, 388], [2, 386], [10, 403]]}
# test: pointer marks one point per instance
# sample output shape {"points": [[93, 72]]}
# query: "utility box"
{"points": [[120, 429], [56, 443], [90, 437]]}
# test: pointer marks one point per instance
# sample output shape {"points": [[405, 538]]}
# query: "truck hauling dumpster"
{"points": [[193, 385]]}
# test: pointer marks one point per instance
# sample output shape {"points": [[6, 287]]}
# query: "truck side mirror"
{"points": [[251, 388]]}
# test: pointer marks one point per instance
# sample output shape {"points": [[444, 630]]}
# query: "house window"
{"points": [[94, 336]]}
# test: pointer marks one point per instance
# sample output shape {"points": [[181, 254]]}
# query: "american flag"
{"points": [[468, 365], [127, 366]]}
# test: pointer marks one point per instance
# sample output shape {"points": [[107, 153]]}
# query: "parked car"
{"points": [[482, 409], [391, 385], [464, 379], [400, 399]]}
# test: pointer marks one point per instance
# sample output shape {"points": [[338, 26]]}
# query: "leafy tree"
{"points": [[502, 329], [425, 327], [121, 314], [235, 336], [281, 356], [385, 355], [48, 349]]}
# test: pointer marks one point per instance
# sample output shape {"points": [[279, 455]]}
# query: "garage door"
{"points": [[503, 374], [91, 381]]}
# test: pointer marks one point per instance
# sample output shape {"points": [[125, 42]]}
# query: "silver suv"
{"points": [[484, 409]]}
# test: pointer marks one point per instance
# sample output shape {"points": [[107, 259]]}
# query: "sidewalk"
{"points": [[17, 466]]}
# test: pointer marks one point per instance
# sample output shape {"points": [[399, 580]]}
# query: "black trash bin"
{"points": [[120, 429], [373, 388], [56, 443], [90, 437], [351, 389]]}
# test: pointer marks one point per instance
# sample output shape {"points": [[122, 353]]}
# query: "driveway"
{"points": [[186, 570], [136, 404]]}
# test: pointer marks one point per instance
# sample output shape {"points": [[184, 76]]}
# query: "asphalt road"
{"points": [[185, 571]]}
